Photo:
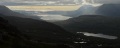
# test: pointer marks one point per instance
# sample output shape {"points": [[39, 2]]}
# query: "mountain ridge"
{"points": [[91, 23], [8, 12]]}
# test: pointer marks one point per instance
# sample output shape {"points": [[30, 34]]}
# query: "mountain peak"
{"points": [[3, 9]]}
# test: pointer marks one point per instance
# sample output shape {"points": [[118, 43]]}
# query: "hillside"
{"points": [[6, 11], [10, 37], [38, 29], [93, 24], [109, 10]]}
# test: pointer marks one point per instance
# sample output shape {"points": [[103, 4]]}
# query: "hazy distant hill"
{"points": [[6, 11], [105, 10], [83, 10], [109, 10], [92, 23]]}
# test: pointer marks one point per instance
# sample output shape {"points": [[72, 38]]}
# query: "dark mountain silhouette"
{"points": [[83, 10], [40, 34], [10, 37], [93, 24], [6, 11], [38, 29], [109, 10]]}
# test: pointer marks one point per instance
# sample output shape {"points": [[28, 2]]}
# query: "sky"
{"points": [[35, 2], [15, 3], [108, 1], [51, 2], [98, 1]]}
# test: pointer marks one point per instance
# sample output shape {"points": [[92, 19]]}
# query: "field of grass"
{"points": [[38, 8]]}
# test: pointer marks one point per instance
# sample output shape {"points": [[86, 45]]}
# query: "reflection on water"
{"points": [[54, 17], [45, 16], [99, 35], [80, 42]]}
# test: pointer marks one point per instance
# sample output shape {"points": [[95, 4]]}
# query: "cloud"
{"points": [[98, 1], [104, 1], [34, 2], [107, 1], [38, 2], [26, 0]]}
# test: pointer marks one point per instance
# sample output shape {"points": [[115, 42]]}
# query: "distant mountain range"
{"points": [[83, 10], [105, 10], [6, 11]]}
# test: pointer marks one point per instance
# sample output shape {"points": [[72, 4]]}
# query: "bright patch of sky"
{"points": [[51, 2], [36, 2], [100, 1]]}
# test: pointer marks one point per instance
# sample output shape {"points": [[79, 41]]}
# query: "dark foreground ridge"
{"points": [[93, 24], [10, 37]]}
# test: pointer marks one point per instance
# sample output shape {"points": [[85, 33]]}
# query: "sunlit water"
{"points": [[45, 16], [53, 17], [80, 42], [99, 35]]}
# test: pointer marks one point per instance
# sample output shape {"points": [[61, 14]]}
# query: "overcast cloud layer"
{"points": [[98, 1], [51, 2], [107, 1]]}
